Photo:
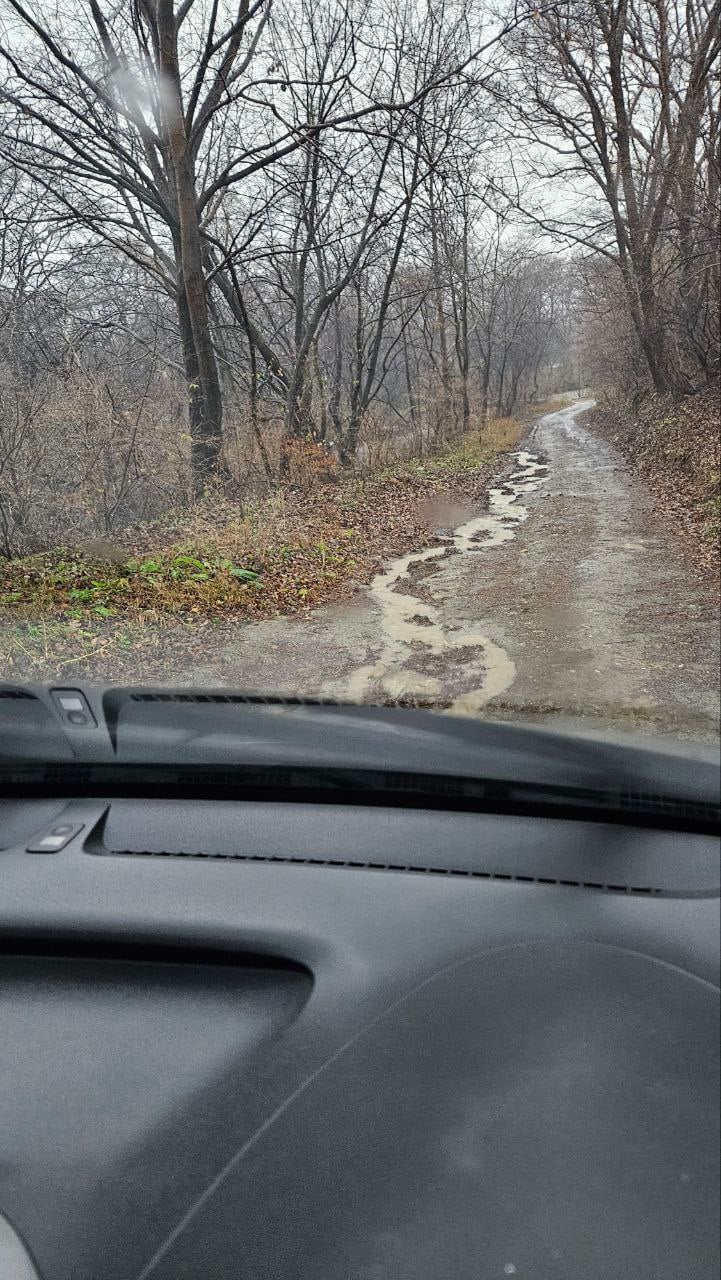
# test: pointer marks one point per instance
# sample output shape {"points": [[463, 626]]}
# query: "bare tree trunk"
{"points": [[409, 387], [204, 392], [355, 408], [462, 341], [253, 393], [299, 421], [446, 405], [334, 401], [501, 379], [322, 396], [485, 381], [192, 381]]}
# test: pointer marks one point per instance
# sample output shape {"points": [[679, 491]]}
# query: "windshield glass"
{"points": [[365, 351]]}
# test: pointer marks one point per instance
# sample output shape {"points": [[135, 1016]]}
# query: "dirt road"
{"points": [[567, 598]]}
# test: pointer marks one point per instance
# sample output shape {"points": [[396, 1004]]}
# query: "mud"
{"points": [[568, 600]]}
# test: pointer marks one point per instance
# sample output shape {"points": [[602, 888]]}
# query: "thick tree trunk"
{"points": [[253, 390], [204, 392], [299, 418], [192, 380]]}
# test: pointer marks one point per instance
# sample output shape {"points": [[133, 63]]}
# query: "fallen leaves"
{"points": [[676, 447]]}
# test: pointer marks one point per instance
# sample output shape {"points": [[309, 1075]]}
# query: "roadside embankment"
{"points": [[676, 446], [173, 581]]}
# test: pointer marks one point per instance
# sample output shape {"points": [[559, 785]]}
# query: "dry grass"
{"points": [[286, 552]]}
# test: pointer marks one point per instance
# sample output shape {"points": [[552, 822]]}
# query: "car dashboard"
{"points": [[351, 1039]]}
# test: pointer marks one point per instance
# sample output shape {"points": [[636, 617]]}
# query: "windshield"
{"points": [[364, 351]]}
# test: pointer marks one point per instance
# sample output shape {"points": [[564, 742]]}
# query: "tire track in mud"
{"points": [[412, 631]]}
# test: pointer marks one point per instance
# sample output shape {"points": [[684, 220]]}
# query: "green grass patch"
{"points": [[168, 582]]}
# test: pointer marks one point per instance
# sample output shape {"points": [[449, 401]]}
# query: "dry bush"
{"points": [[385, 440], [497, 433], [77, 462], [503, 433], [382, 442], [307, 464], [252, 457], [378, 444]]}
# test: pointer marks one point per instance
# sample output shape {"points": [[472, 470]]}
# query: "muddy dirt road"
{"points": [[566, 600]]}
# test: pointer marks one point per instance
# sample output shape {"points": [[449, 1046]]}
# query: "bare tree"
{"points": [[218, 207], [618, 97]]}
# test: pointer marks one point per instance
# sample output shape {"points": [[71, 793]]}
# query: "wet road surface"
{"points": [[566, 600]]}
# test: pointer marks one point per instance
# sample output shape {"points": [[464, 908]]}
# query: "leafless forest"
{"points": [[241, 238]]}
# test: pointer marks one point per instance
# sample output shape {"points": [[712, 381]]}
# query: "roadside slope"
{"points": [[676, 448], [148, 607]]}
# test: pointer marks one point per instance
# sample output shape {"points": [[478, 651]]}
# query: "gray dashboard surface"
{"points": [[309, 1041], [535, 1111], [479, 1074]]}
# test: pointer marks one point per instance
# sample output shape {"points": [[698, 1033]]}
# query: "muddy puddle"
{"points": [[414, 638]]}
